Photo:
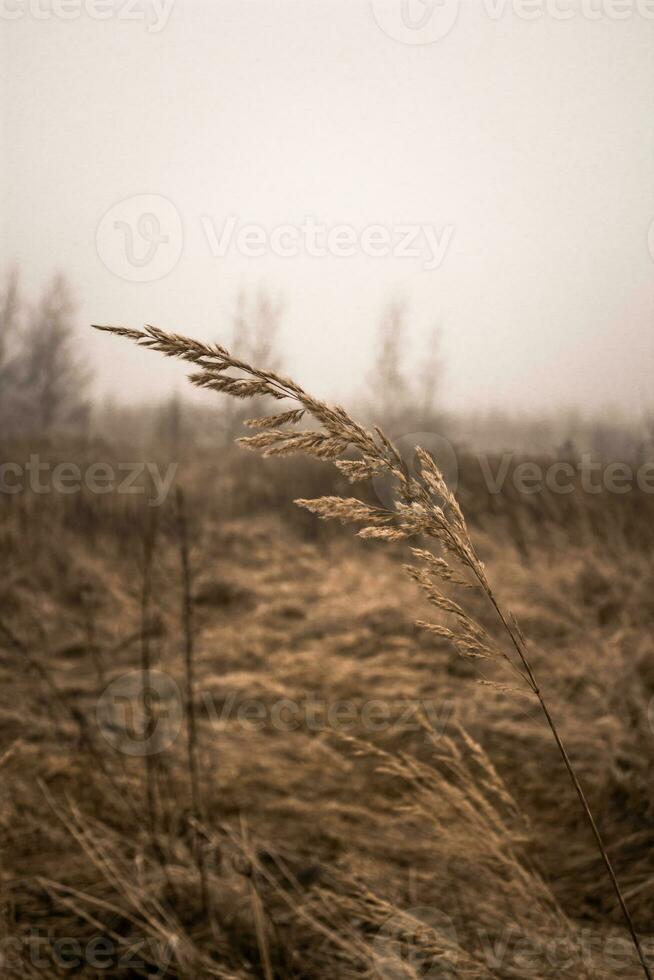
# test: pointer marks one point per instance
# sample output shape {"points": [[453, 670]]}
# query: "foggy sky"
{"points": [[526, 146]]}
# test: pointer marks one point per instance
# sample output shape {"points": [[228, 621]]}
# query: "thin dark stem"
{"points": [[146, 666], [191, 718]]}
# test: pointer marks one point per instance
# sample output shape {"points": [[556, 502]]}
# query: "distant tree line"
{"points": [[44, 380], [45, 388]]}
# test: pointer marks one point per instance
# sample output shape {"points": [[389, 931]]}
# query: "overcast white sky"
{"points": [[525, 146]]}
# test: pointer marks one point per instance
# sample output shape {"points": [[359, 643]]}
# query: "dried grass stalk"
{"points": [[424, 508]]}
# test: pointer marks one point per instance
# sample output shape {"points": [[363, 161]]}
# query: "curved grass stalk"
{"points": [[425, 507]]}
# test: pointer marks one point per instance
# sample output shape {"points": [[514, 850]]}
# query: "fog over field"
{"points": [[523, 143]]}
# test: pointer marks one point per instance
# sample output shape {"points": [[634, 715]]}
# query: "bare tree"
{"points": [[52, 379], [10, 315], [170, 427], [389, 386], [256, 328], [429, 376], [255, 337], [404, 397]]}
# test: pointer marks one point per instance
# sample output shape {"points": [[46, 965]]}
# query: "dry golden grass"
{"points": [[442, 842]]}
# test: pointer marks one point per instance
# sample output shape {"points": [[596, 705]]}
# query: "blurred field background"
{"points": [[424, 828]]}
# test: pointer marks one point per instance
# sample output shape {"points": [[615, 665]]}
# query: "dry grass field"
{"points": [[326, 623], [313, 786]]}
